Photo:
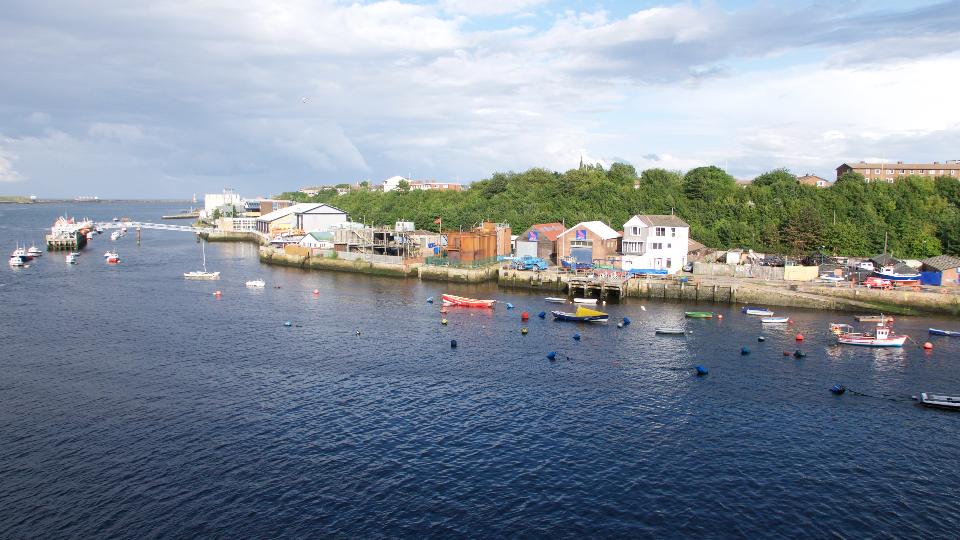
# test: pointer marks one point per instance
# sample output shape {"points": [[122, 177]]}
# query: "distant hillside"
{"points": [[14, 199]]}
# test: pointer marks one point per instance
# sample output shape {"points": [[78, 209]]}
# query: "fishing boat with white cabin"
{"points": [[883, 336], [939, 401]]}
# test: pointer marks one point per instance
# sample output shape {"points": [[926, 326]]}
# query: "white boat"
{"points": [[16, 260], [585, 301], [109, 254], [71, 258], [775, 320], [34, 251], [256, 284], [22, 253], [113, 258], [198, 274], [115, 235], [759, 312], [940, 402], [555, 300], [830, 278], [670, 331], [883, 337]]}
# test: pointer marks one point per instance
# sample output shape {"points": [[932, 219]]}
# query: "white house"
{"points": [[391, 183], [303, 217], [320, 240], [655, 243]]}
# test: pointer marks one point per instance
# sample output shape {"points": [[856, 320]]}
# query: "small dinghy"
{"points": [[592, 301], [256, 284], [698, 314], [938, 332], [830, 278], [760, 312], [582, 315], [873, 318], [775, 320], [555, 300], [453, 300], [670, 331], [940, 402]]}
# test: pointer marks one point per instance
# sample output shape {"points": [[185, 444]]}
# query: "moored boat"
{"points": [[761, 312], [454, 300], [940, 401], [938, 332], [581, 315], [256, 284], [71, 258], [698, 314], [22, 253], [592, 301], [34, 251], [16, 260], [830, 278], [882, 337], [555, 300], [775, 320], [113, 258], [873, 318], [115, 235], [669, 331]]}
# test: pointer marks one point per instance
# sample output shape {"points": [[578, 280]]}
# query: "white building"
{"points": [[319, 240], [306, 217], [655, 243], [212, 201], [391, 183]]}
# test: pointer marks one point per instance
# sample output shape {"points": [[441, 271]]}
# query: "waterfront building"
{"points": [[540, 240], [589, 241], [393, 183], [301, 217], [262, 207], [941, 270], [237, 224], [889, 172], [318, 240], [655, 243], [480, 244], [224, 200]]}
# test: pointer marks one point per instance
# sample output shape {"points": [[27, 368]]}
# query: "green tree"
{"points": [[776, 176], [708, 183]]}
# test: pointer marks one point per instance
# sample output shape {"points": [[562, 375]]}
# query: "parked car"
{"points": [[874, 282]]}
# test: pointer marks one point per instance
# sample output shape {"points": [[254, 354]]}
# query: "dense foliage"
{"points": [[918, 215]]}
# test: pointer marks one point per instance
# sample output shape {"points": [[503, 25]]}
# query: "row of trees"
{"points": [[918, 216]]}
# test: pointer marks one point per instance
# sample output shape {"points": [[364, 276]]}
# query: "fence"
{"points": [[456, 263]]}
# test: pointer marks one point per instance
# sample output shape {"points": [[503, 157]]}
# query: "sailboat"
{"points": [[202, 274]]}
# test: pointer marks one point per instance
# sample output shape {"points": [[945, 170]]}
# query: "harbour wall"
{"points": [[372, 267], [235, 236]]}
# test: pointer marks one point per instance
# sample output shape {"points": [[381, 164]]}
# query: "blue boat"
{"points": [[937, 332], [582, 315]]}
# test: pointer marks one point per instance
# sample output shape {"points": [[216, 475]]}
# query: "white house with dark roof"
{"points": [[655, 243]]}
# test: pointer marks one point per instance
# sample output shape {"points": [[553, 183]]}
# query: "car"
{"points": [[866, 265], [688, 267], [874, 282]]}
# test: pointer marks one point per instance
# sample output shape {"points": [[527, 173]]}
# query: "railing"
{"points": [[456, 263], [155, 226]]}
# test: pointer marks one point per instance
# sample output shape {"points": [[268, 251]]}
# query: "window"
{"points": [[931, 172], [876, 171], [656, 245], [669, 246], [902, 171], [668, 263], [661, 231], [888, 171], [580, 243], [658, 263], [636, 231], [673, 232]]}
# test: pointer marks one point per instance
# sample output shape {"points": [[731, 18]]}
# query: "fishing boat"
{"points": [[591, 301], [899, 273], [16, 260], [759, 312], [581, 315], [775, 320], [938, 332], [698, 314], [113, 258], [555, 300], [71, 258], [22, 253], [669, 331], [256, 284], [454, 300], [34, 251], [938, 401], [882, 337], [202, 274]]}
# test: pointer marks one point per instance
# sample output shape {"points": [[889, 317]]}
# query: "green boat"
{"points": [[699, 314]]}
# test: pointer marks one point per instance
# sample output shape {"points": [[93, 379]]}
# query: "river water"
{"points": [[136, 404]]}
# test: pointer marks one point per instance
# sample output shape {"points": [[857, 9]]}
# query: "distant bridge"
{"points": [[156, 226]]}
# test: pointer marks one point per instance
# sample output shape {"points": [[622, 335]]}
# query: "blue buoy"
{"points": [[626, 321], [701, 370], [799, 354], [761, 339], [542, 314], [576, 337], [453, 344], [509, 305], [838, 389], [430, 300], [287, 323], [551, 355], [744, 350]]}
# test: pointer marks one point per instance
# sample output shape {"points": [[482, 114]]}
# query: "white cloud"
{"points": [[7, 172], [487, 8]]}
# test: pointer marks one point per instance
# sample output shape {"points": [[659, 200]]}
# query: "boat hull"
{"points": [[698, 315], [759, 312], [562, 316], [949, 403], [938, 332], [775, 320], [201, 275], [872, 342], [893, 276], [670, 331], [453, 300], [554, 300]]}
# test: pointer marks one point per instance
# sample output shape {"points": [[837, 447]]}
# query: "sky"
{"points": [[169, 98]]}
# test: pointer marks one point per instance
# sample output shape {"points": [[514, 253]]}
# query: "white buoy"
{"points": [[643, 308]]}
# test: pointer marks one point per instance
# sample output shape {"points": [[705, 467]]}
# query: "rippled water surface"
{"points": [[135, 404]]}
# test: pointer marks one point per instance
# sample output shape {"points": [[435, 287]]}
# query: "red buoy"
{"points": [[316, 291], [524, 316], [217, 293], [720, 317], [787, 353], [928, 346], [799, 337]]}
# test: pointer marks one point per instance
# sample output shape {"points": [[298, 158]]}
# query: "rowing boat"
{"points": [[775, 320], [937, 332], [698, 314], [670, 331], [453, 300], [555, 300], [759, 312], [940, 402], [585, 301], [873, 318], [582, 315]]}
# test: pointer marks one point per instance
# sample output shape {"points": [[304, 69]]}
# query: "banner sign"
{"points": [[533, 236], [581, 234]]}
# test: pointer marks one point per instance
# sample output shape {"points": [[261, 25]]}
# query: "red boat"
{"points": [[452, 300]]}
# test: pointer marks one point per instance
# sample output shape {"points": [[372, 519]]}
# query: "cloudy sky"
{"points": [[166, 98]]}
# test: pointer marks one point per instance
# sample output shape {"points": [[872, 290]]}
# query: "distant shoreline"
{"points": [[100, 201]]}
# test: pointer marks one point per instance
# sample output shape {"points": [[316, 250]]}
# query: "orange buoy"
{"points": [[524, 316], [787, 353], [799, 337], [928, 346], [720, 317]]}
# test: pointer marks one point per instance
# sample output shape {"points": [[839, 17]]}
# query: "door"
{"points": [[582, 254]]}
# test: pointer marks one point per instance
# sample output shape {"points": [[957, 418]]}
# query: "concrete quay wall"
{"points": [[234, 236], [359, 266]]}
